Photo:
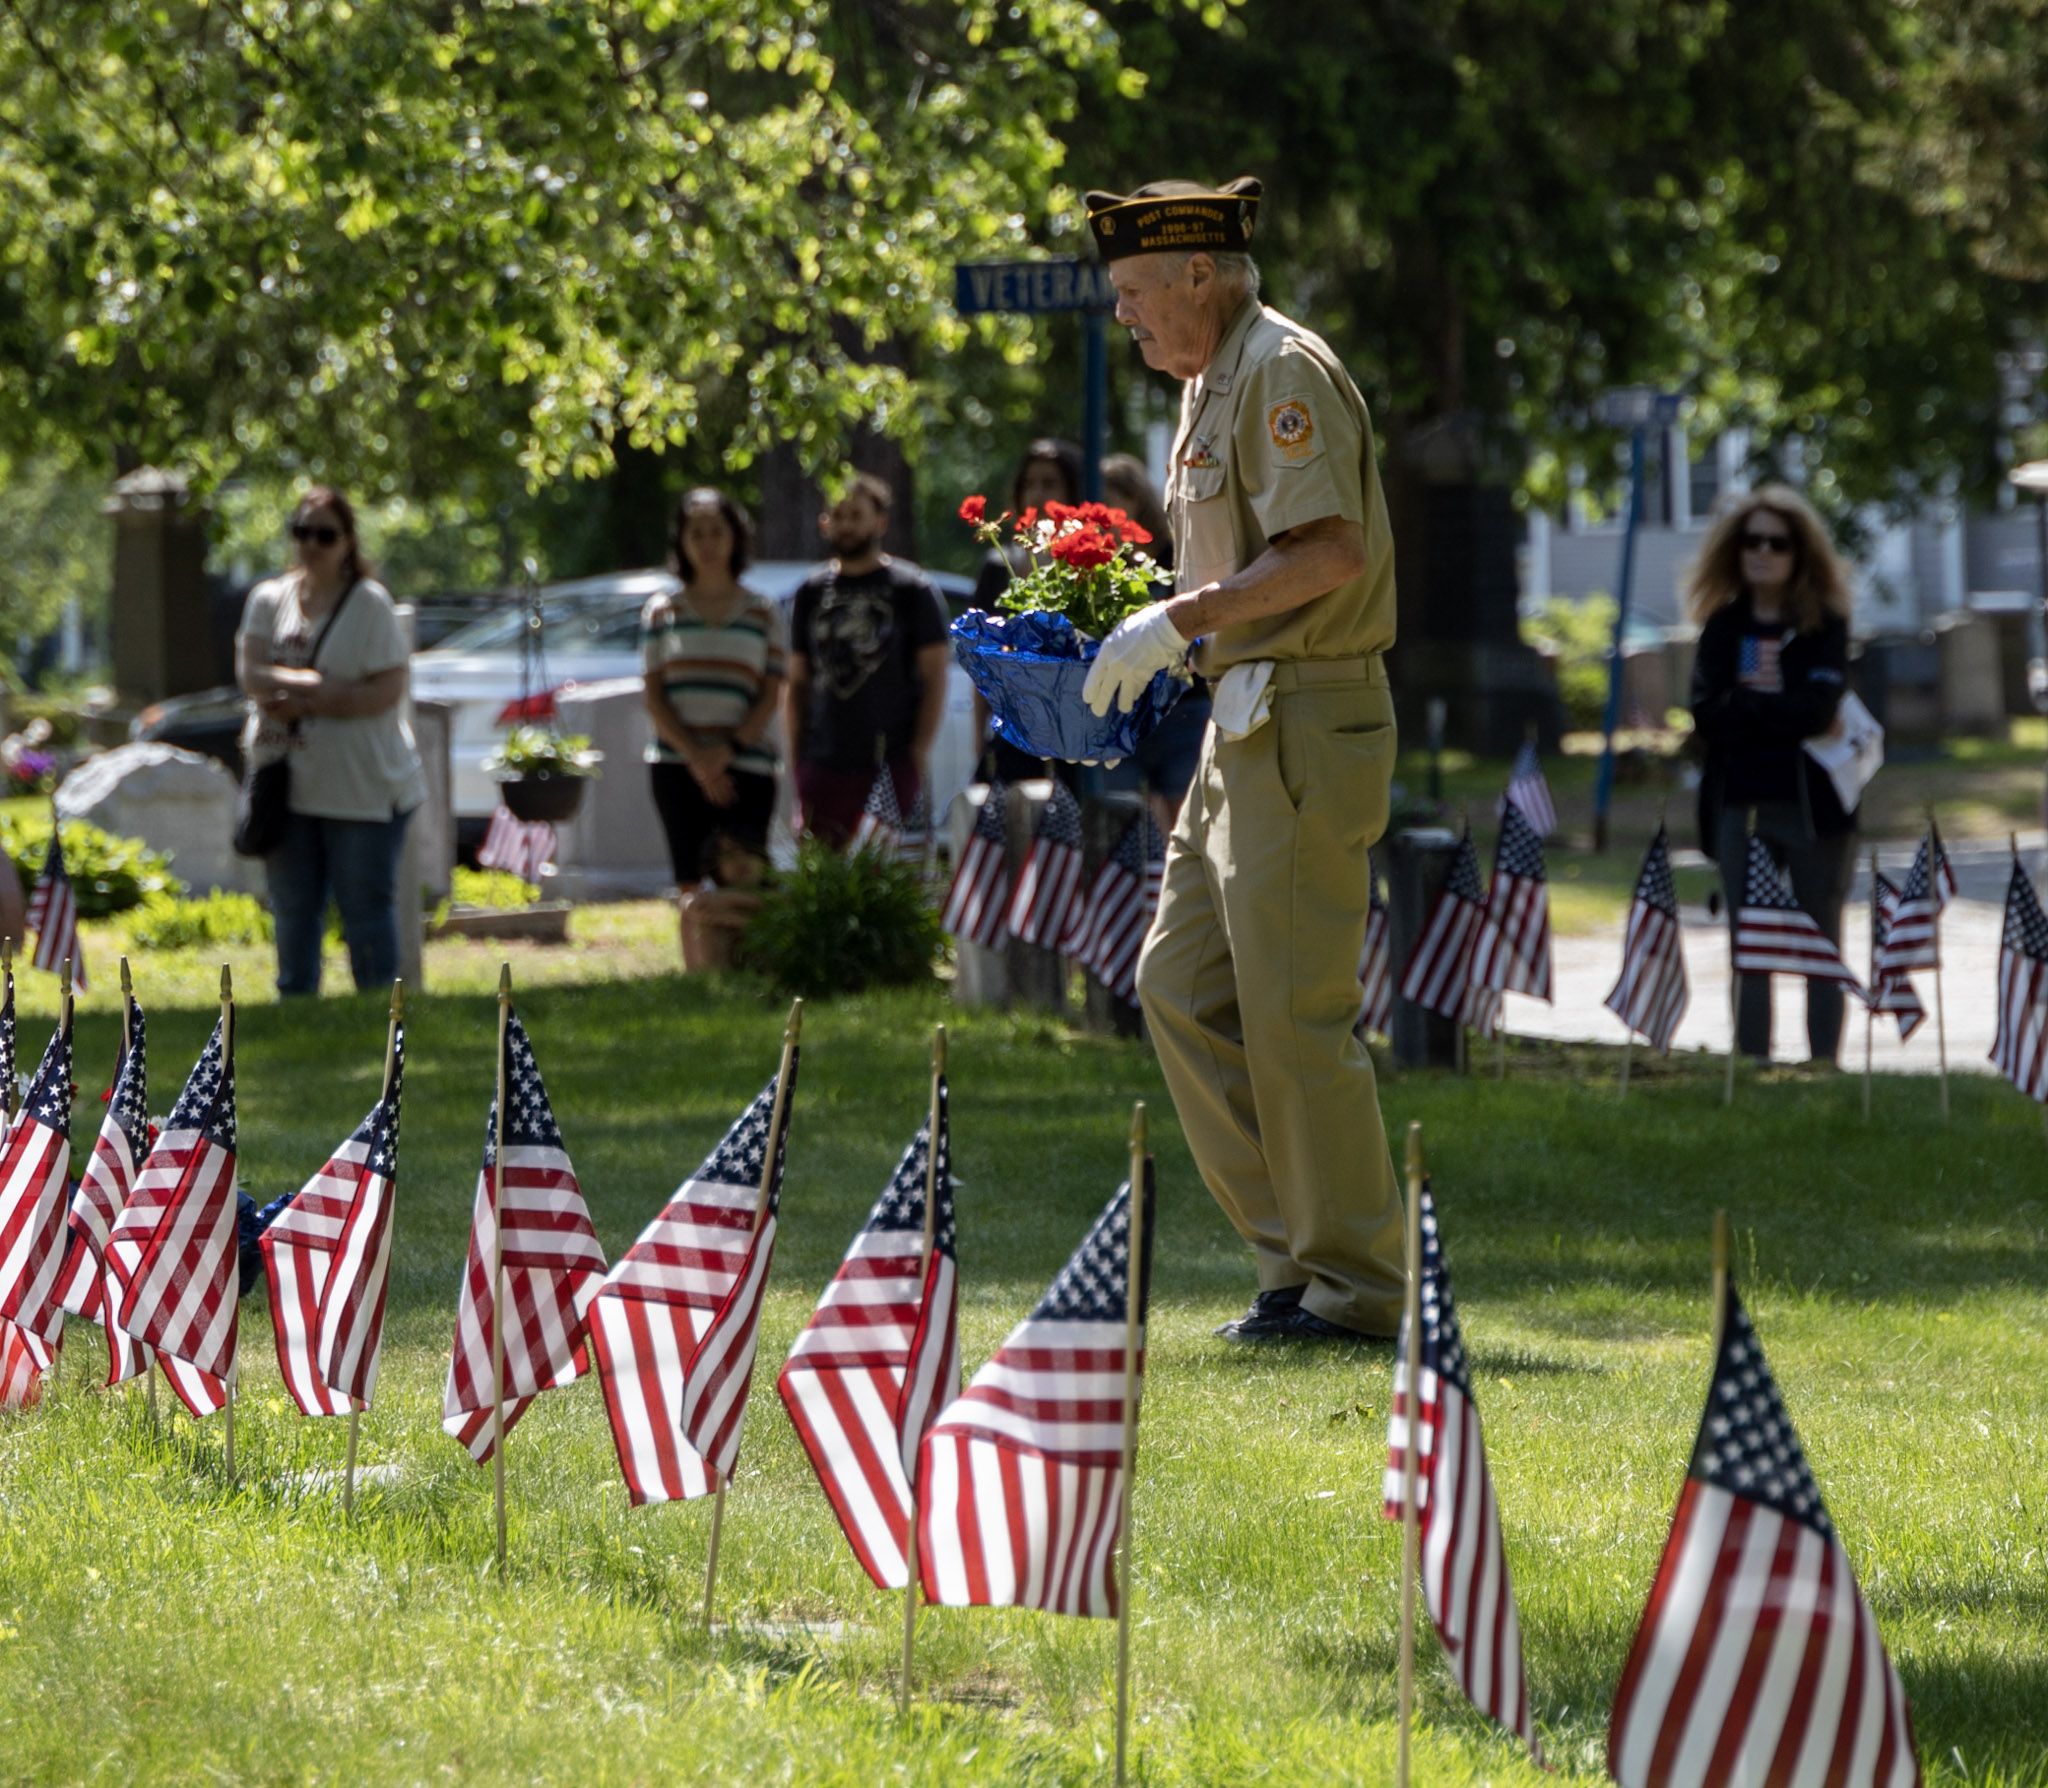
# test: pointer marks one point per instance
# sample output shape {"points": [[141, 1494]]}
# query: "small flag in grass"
{"points": [[2020, 1048], [1774, 935], [881, 1357], [1757, 1661], [980, 892], [1651, 995], [1376, 961], [1464, 1570]]}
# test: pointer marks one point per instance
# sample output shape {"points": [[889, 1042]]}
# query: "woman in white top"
{"points": [[323, 660]]}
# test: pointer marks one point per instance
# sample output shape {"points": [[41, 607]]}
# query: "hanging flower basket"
{"points": [[1030, 664], [543, 795], [541, 775]]}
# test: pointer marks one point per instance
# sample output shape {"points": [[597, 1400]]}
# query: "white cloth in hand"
{"points": [[1137, 650], [1243, 698]]}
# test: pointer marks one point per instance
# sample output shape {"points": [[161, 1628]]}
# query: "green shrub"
{"points": [[162, 922], [838, 924], [491, 887], [108, 874], [1581, 634]]}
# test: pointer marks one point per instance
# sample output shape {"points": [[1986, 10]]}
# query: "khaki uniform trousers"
{"points": [[1249, 981]]}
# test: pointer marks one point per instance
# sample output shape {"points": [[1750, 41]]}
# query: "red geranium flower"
{"points": [[1084, 548], [974, 511]]}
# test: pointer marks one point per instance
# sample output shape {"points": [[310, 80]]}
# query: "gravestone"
{"points": [[175, 801], [161, 610], [1418, 863]]}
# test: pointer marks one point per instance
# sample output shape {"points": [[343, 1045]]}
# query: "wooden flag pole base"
{"points": [[499, 1437], [1870, 1004], [229, 1459], [931, 1225], [711, 1560], [791, 1031], [1134, 1285], [1411, 1523], [348, 1471]]}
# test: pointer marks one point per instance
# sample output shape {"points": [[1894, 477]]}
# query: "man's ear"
{"points": [[1201, 269]]}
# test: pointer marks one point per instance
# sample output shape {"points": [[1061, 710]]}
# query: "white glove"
{"points": [[1137, 650]]}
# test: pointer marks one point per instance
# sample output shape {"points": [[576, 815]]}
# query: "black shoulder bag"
{"points": [[263, 809]]}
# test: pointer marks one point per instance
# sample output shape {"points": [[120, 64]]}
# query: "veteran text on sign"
{"points": [[1063, 284]]}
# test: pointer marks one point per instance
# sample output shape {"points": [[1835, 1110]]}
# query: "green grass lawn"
{"points": [[162, 1622]]}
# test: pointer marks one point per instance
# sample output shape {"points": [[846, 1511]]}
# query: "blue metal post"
{"points": [[1603, 794], [1095, 405]]}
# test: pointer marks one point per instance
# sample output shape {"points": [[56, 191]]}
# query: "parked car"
{"points": [[590, 633]]}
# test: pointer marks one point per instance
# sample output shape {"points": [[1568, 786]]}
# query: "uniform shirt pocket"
{"points": [[1207, 545]]}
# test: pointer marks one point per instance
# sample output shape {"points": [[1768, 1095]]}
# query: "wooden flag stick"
{"points": [[355, 1409], [924, 1267], [791, 1031], [1134, 1287], [1411, 1521], [13, 1080], [227, 1064], [1720, 1277], [127, 1043], [1735, 974], [1934, 899], [498, 1434], [1870, 1005]]}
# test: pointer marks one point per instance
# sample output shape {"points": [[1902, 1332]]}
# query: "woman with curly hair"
{"points": [[1772, 601]]}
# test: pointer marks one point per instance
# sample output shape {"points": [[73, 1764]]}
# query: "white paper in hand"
{"points": [[1853, 753]]}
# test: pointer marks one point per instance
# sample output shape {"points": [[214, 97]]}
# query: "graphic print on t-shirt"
{"points": [[1758, 665], [852, 632]]}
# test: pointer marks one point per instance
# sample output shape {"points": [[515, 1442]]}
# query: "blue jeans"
{"points": [[357, 862]]}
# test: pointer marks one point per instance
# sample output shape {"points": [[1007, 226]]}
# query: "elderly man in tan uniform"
{"points": [[1249, 977]]}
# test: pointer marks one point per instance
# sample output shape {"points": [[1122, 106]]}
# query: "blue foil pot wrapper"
{"points": [[1029, 668]]}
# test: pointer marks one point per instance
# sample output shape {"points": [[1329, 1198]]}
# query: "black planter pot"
{"points": [[542, 795]]}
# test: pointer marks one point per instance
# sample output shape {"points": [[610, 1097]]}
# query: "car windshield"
{"points": [[568, 629]]}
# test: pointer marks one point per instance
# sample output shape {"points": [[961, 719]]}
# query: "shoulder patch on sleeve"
{"points": [[1292, 425]]}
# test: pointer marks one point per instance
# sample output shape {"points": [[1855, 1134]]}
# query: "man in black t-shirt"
{"points": [[867, 669]]}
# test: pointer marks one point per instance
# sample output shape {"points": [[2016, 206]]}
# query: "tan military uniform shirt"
{"points": [[1273, 435]]}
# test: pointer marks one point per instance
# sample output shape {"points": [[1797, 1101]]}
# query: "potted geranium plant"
{"points": [[541, 774], [1086, 571]]}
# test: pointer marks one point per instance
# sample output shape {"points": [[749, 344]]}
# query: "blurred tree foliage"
{"points": [[451, 250], [1495, 208], [55, 548]]}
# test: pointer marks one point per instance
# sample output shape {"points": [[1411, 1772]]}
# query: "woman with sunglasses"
{"points": [[1772, 601], [323, 660]]}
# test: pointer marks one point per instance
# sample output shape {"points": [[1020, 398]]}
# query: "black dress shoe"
{"points": [[1306, 1325], [1267, 1316]]}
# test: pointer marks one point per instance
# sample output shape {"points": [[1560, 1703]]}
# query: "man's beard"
{"points": [[849, 544]]}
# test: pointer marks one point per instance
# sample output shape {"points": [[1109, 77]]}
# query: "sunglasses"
{"points": [[1766, 543], [320, 536]]}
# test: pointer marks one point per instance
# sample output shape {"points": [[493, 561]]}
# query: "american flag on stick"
{"points": [[35, 1190], [327, 1256], [1046, 907], [1757, 1660], [1020, 1483], [1651, 995], [93, 1288], [1891, 990], [53, 915], [677, 1320], [881, 1357], [1376, 960], [1439, 969], [1121, 902], [881, 820], [1528, 792], [1913, 934], [1773, 936], [23, 1361], [1464, 1570], [979, 897], [519, 847], [550, 1263], [1511, 953], [175, 1239], [2020, 1047]]}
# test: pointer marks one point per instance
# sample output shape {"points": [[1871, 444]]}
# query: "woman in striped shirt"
{"points": [[713, 658]]}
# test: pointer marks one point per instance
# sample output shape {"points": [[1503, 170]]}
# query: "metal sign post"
{"points": [[1036, 288], [1637, 408]]}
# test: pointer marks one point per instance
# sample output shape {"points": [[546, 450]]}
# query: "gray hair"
{"points": [[1238, 270]]}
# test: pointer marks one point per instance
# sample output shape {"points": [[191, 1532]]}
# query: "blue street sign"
{"points": [[1062, 283]]}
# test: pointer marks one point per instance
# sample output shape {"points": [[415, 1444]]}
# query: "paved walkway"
{"points": [[1584, 970]]}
